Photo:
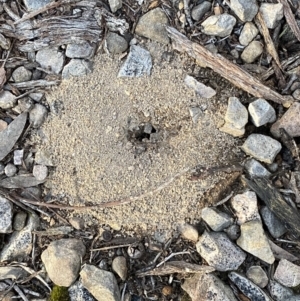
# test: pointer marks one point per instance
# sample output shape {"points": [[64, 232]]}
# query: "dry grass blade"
{"points": [[268, 41], [290, 18], [233, 73]]}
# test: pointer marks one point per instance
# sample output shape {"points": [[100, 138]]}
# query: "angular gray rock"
{"points": [[100, 283], [43, 157], [116, 43], [36, 4], [51, 59], [279, 292], [249, 32], [271, 13], [23, 180], [18, 156], [189, 232], [5, 215], [233, 232], [274, 225], [236, 118], [10, 170], [245, 207], [80, 51], [248, 288], [216, 219], [287, 273], [256, 170], [115, 5], [152, 25], [261, 147], [254, 241], [257, 275], [246, 10], [219, 252], [11, 134], [40, 172], [200, 89], [38, 115], [204, 287], [20, 243], [218, 25], [290, 121], [21, 74], [200, 10], [7, 100], [252, 52], [63, 255], [138, 63], [261, 112], [119, 266], [76, 67], [195, 113], [77, 292]]}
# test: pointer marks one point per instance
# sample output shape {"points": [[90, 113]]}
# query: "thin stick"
{"points": [[172, 255], [111, 247], [224, 200], [17, 290]]}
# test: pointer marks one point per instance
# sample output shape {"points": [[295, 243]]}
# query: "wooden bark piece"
{"points": [[236, 75], [276, 203]]}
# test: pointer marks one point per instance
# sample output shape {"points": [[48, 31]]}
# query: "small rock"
{"points": [[236, 118], [189, 232], [36, 4], [19, 221], [152, 25], [195, 113], [138, 63], [5, 215], [290, 121], [13, 273], [115, 5], [246, 10], [271, 13], [262, 148], [233, 232], [279, 292], [204, 287], [274, 225], [77, 223], [200, 10], [40, 172], [100, 283], [218, 25], [77, 292], [252, 52], [119, 266], [219, 252], [258, 276], [11, 134], [18, 156], [256, 170], [245, 207], [22, 180], [3, 125], [36, 96], [20, 243], [4, 42], [248, 33], [63, 255], [25, 104], [216, 219], [21, 74], [199, 88], [80, 51], [261, 112], [287, 273], [248, 288], [51, 59], [7, 100], [76, 67], [296, 94], [254, 241], [38, 115], [43, 157], [10, 170], [116, 43]]}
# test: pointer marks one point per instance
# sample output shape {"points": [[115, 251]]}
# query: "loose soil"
{"points": [[97, 159]]}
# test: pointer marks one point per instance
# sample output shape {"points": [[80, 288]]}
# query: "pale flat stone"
{"points": [[271, 13], [254, 241], [249, 32], [246, 10], [200, 89], [218, 25], [6, 214], [7, 100], [256, 170], [216, 219], [51, 59], [119, 266], [256, 274], [189, 232], [252, 52], [261, 112], [115, 5], [287, 273]]}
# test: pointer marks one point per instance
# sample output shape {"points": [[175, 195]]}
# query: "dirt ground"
{"points": [[97, 159]]}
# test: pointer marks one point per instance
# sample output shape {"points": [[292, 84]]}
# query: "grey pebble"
{"points": [[19, 221], [51, 59], [76, 67], [5, 215], [10, 170], [38, 115], [7, 100], [21, 74], [116, 43], [40, 172], [80, 51], [200, 10]]}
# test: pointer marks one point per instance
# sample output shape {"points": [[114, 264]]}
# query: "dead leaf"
{"points": [[153, 4]]}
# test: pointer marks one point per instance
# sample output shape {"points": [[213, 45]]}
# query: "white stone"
{"points": [[80, 51], [287, 273], [256, 170], [279, 292], [261, 147], [38, 115], [76, 67], [249, 32], [271, 13], [189, 232], [246, 10], [115, 5], [36, 4], [217, 220], [5, 215], [245, 207], [21, 74], [40, 172], [200, 89], [10, 170], [257, 275], [51, 59], [252, 52], [7, 100], [218, 25], [261, 112]]}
